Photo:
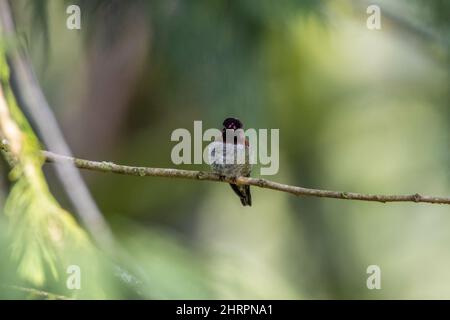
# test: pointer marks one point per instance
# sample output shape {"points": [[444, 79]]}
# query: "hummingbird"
{"points": [[231, 158]]}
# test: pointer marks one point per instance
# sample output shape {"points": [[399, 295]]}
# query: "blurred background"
{"points": [[358, 110]]}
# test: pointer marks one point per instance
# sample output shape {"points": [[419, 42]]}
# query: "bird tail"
{"points": [[243, 191]]}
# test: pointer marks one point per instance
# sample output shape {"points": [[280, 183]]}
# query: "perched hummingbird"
{"points": [[231, 158]]}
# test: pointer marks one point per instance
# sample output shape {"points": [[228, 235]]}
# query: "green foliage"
{"points": [[40, 231]]}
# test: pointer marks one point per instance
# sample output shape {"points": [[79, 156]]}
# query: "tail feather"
{"points": [[243, 193]]}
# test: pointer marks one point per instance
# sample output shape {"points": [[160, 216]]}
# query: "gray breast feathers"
{"points": [[230, 159]]}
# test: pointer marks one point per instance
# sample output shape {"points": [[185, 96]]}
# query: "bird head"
{"points": [[231, 124]]}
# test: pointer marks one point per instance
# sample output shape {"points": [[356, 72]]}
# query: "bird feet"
{"points": [[232, 180]]}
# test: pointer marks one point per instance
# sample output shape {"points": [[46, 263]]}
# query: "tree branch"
{"points": [[110, 167], [36, 292], [104, 166]]}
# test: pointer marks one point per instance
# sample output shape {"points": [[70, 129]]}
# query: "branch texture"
{"points": [[104, 166]]}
